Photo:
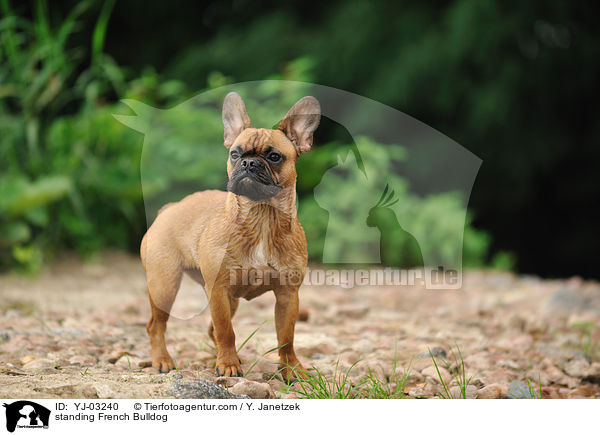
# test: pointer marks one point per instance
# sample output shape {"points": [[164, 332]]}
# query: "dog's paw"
{"points": [[229, 368], [293, 373], [163, 364]]}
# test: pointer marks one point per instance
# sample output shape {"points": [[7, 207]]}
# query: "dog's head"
{"points": [[262, 162]]}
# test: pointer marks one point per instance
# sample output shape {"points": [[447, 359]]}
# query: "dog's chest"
{"points": [[261, 254]]}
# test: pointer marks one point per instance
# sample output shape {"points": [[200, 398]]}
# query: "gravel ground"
{"points": [[77, 330]]}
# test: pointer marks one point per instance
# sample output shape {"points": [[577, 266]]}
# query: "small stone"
{"points": [[40, 364], [303, 315], [593, 375], [58, 390], [88, 391], [352, 312], [509, 364], [129, 362], [437, 352], [492, 391], [364, 346], [227, 381], [103, 391], [470, 392], [325, 346], [27, 359], [82, 360], [200, 389], [581, 393], [519, 390], [578, 368], [256, 390], [276, 384], [413, 377], [432, 372], [556, 376]]}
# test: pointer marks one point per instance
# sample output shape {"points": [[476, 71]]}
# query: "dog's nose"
{"points": [[250, 164]]}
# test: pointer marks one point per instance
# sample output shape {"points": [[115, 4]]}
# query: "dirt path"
{"points": [[78, 331]]}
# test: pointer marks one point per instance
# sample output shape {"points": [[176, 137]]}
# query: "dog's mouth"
{"points": [[248, 185]]}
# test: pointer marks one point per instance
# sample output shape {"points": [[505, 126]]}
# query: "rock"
{"points": [[578, 368], [582, 392], [413, 377], [255, 390], [492, 391], [568, 300], [303, 315], [199, 389], [27, 359], [319, 344], [364, 346], [478, 383], [509, 364], [129, 362], [88, 391], [556, 376], [437, 352], [82, 360], [276, 384], [519, 390], [58, 390], [40, 364], [352, 312], [593, 375], [227, 381], [433, 373], [103, 390], [470, 392]]}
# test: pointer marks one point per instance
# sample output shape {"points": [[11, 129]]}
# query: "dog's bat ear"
{"points": [[235, 118], [301, 122]]}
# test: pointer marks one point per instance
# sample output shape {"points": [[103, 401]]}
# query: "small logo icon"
{"points": [[26, 414]]}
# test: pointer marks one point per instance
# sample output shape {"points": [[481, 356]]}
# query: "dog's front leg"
{"points": [[228, 363], [286, 313]]}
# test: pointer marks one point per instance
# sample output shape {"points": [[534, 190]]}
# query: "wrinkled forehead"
{"points": [[259, 140]]}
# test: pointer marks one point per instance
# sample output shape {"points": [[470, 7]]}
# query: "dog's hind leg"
{"points": [[164, 280]]}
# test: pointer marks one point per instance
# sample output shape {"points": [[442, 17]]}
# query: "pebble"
{"points": [[492, 391], [520, 390], [433, 373], [255, 390], [578, 368], [470, 392], [40, 364], [200, 389], [437, 352], [82, 360]]}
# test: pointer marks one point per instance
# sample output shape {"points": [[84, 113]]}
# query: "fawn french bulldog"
{"points": [[218, 237]]}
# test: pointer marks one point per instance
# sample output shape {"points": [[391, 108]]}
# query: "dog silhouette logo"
{"points": [[26, 414]]}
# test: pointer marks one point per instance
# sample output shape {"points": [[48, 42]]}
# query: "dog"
{"points": [[221, 238]]}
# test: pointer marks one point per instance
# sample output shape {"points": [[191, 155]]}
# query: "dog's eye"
{"points": [[274, 157], [234, 155]]}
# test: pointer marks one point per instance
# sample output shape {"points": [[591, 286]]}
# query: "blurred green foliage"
{"points": [[70, 173]]}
